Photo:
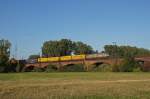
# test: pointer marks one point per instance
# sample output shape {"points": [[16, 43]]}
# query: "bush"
{"points": [[115, 68], [37, 69], [74, 68], [103, 68], [51, 68], [2, 69], [129, 66], [126, 67], [138, 69]]}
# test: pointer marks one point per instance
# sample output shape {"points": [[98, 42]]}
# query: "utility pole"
{"points": [[16, 52], [16, 57], [115, 56]]}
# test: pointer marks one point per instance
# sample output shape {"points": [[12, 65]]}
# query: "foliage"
{"points": [[20, 65], [37, 69], [74, 68], [5, 47], [102, 68], [115, 68], [57, 48], [34, 56], [110, 49], [125, 51], [128, 53], [129, 65], [64, 47], [138, 69], [3, 62], [4, 54], [51, 68], [81, 48], [11, 66]]}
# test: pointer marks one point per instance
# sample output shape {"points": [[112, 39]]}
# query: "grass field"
{"points": [[78, 85]]}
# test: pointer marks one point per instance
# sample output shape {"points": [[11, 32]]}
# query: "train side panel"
{"points": [[91, 56], [42, 59], [74, 57], [65, 58], [50, 59], [53, 59], [78, 57]]}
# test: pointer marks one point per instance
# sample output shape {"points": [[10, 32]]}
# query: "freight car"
{"points": [[62, 58], [67, 58], [71, 57]]}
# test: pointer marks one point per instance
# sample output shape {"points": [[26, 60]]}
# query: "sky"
{"points": [[28, 23]]}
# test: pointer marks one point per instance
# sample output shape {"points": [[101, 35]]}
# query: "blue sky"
{"points": [[28, 23]]}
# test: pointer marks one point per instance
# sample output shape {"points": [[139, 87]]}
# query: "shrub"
{"points": [[129, 66], [2, 69], [138, 69], [102, 68], [51, 68], [74, 68], [37, 69], [115, 68]]}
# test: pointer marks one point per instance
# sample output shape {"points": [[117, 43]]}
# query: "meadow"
{"points": [[75, 85]]}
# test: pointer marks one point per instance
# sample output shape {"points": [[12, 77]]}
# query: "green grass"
{"points": [[75, 85]]}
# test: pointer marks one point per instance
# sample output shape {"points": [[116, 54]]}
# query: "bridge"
{"points": [[86, 63], [145, 62]]}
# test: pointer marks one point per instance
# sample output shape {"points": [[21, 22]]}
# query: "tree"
{"points": [[46, 50], [34, 56], [128, 54], [129, 64], [11, 67], [64, 47], [51, 49], [110, 49], [4, 53], [81, 48], [125, 51]]}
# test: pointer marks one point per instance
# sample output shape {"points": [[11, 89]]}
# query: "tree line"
{"points": [[128, 54], [126, 51], [65, 47]]}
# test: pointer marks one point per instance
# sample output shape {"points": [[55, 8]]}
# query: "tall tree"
{"points": [[64, 47], [34, 56], [4, 53], [126, 51], [51, 49], [81, 48]]}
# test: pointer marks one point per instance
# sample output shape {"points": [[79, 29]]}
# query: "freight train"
{"points": [[67, 58]]}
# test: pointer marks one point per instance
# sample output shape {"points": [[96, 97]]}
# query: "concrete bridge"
{"points": [[86, 63]]}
